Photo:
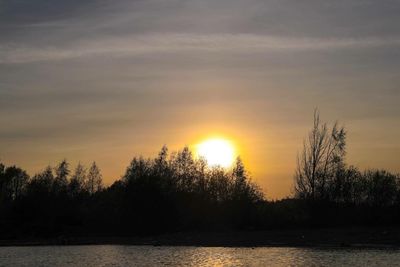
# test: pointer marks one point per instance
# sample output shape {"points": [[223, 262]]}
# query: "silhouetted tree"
{"points": [[239, 177], [13, 181], [94, 181], [184, 169], [2, 167], [220, 185], [348, 186], [179, 192], [162, 171], [322, 156], [42, 183], [18, 179], [78, 180], [61, 179], [381, 188], [161, 167], [3, 183]]}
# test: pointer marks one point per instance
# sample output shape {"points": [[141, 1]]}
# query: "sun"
{"points": [[217, 152]]}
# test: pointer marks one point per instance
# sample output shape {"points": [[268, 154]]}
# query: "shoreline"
{"points": [[362, 237]]}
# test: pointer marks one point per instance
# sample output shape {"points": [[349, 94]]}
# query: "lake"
{"points": [[115, 255]]}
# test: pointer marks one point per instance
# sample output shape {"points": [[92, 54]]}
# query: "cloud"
{"points": [[177, 43], [115, 75], [22, 12]]}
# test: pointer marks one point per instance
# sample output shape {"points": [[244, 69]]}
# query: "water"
{"points": [[109, 255]]}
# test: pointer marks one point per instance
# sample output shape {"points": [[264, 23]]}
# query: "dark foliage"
{"points": [[336, 194], [167, 193], [177, 192]]}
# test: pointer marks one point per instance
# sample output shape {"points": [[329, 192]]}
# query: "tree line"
{"points": [[15, 183], [323, 175], [176, 191], [171, 192]]}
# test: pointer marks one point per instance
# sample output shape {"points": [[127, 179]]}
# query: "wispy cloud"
{"points": [[175, 43]]}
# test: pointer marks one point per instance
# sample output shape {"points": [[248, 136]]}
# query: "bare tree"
{"points": [[322, 155]]}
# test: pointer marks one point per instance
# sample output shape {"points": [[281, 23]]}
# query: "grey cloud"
{"points": [[26, 12], [62, 20], [175, 43], [76, 74]]}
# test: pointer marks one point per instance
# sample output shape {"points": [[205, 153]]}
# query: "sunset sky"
{"points": [[104, 81]]}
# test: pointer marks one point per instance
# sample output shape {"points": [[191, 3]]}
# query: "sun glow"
{"points": [[217, 152]]}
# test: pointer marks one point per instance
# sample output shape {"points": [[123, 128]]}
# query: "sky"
{"points": [[105, 81]]}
